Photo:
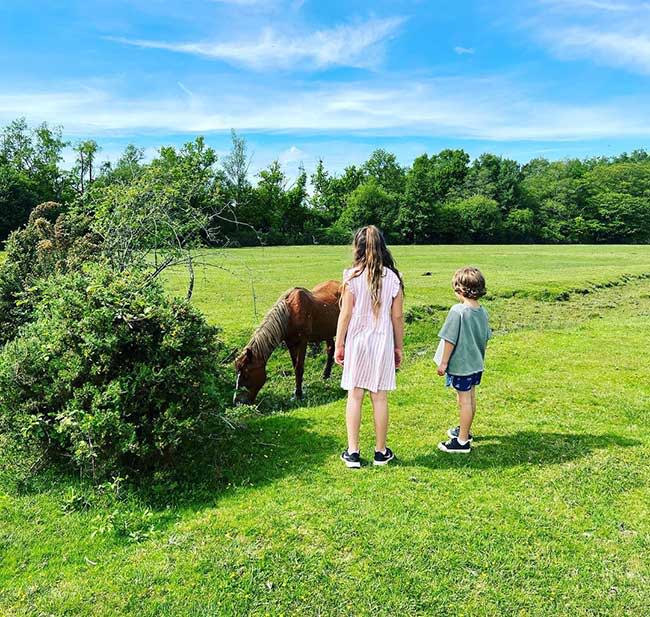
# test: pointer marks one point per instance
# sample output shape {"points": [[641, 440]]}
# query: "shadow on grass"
{"points": [[265, 450], [316, 393], [522, 448]]}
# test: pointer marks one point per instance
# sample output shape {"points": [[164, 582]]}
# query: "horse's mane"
{"points": [[273, 329]]}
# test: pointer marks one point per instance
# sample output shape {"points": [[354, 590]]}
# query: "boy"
{"points": [[460, 354]]}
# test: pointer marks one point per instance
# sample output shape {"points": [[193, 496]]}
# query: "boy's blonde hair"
{"points": [[469, 282]]}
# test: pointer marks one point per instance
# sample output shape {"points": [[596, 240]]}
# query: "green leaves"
{"points": [[113, 374]]}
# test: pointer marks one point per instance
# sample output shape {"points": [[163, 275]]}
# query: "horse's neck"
{"points": [[270, 333], [261, 352]]}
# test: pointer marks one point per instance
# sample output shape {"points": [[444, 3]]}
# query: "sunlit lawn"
{"points": [[549, 515]]}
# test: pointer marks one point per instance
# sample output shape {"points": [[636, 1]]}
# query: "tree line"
{"points": [[440, 198]]}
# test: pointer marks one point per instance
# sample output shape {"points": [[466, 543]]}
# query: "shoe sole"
{"points": [[442, 448], [350, 465], [388, 460], [471, 439]]}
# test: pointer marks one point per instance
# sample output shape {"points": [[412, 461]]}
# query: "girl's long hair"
{"points": [[372, 255]]}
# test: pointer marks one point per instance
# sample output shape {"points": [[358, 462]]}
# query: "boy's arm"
{"points": [[446, 354], [347, 303], [449, 334], [397, 317]]}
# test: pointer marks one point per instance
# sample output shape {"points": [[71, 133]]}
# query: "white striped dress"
{"points": [[369, 345]]}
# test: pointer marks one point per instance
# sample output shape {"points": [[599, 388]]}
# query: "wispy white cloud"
{"points": [[357, 45], [614, 6], [488, 108], [607, 32], [463, 50], [620, 49]]}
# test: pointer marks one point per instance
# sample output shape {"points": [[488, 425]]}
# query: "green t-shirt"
{"points": [[468, 329]]}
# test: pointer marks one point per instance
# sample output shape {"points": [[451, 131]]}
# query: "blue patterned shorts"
{"points": [[463, 383]]}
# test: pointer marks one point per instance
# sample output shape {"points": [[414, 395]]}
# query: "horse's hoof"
{"points": [[297, 396]]}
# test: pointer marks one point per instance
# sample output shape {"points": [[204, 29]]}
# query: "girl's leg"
{"points": [[353, 417], [380, 411], [466, 412]]}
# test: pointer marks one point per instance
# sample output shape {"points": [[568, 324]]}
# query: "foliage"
{"points": [[162, 214], [30, 172], [370, 203], [429, 184], [112, 373], [477, 217], [53, 242], [600, 199]]}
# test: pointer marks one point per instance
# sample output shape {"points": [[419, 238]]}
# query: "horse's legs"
{"points": [[298, 353], [330, 358]]}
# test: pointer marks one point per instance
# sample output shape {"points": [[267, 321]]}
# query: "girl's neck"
{"points": [[471, 302]]}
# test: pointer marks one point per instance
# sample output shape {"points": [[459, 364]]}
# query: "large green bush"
{"points": [[52, 242], [111, 373]]}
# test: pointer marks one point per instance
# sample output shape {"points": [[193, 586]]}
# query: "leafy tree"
{"points": [[29, 172], [236, 166], [325, 200], [636, 156], [497, 178], [618, 202], [384, 168], [237, 195], [269, 198], [84, 169], [429, 183], [329, 200], [479, 219], [370, 204], [166, 212], [520, 225], [280, 214], [596, 199], [18, 195], [128, 167], [296, 215], [555, 193]]}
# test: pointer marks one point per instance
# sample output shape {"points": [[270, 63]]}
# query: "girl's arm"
{"points": [[397, 317], [446, 354], [347, 303]]}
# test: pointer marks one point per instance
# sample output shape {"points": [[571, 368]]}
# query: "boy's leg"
{"points": [[380, 412], [473, 391], [466, 412], [353, 417]]}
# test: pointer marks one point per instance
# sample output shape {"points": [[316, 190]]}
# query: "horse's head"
{"points": [[251, 376]]}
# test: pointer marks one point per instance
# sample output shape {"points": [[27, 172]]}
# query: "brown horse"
{"points": [[299, 317]]}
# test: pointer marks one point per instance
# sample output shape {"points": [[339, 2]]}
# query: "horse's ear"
{"points": [[248, 352]]}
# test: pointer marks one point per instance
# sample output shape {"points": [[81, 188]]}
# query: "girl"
{"points": [[369, 338]]}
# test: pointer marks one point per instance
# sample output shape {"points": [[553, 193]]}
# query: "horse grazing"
{"points": [[299, 317]]}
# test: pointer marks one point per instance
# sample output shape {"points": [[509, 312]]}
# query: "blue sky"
{"points": [[305, 79]]}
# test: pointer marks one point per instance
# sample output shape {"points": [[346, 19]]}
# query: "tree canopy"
{"points": [[440, 197]]}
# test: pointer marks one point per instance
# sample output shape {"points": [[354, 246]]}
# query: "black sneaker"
{"points": [[382, 458], [454, 432], [453, 447], [351, 460]]}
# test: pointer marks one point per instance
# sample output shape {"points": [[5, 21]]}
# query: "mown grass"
{"points": [[549, 515]]}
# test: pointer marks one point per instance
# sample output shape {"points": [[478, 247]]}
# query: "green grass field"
{"points": [[549, 515]]}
